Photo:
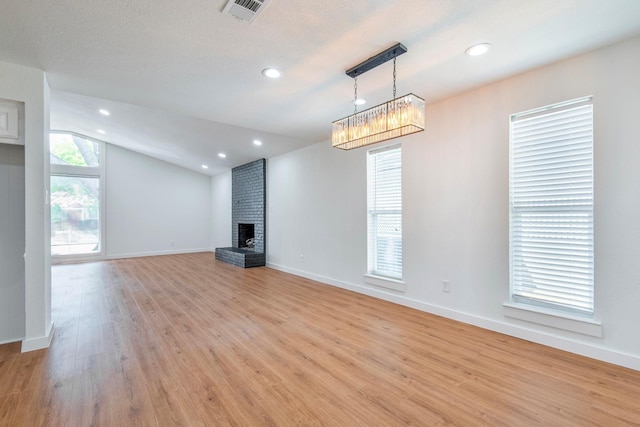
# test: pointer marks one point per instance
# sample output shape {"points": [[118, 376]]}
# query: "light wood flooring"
{"points": [[186, 340]]}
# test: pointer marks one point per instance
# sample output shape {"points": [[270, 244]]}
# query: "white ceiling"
{"points": [[183, 82]]}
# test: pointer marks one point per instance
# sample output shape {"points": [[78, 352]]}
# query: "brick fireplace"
{"points": [[248, 202]]}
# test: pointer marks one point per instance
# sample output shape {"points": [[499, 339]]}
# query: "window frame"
{"points": [[84, 172], [375, 275], [565, 308]]}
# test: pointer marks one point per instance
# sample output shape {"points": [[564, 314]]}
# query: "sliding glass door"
{"points": [[75, 215]]}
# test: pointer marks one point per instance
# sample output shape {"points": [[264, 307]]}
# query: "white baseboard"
{"points": [[606, 355], [38, 343], [9, 341], [156, 253]]}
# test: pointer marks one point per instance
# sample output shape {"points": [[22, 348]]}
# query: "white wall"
{"points": [[30, 86], [153, 207], [455, 188], [316, 216], [221, 204], [12, 217]]}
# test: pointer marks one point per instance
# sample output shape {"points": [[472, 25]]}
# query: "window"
{"points": [[76, 195], [384, 196], [551, 203]]}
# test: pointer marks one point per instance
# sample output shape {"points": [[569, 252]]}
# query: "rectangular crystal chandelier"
{"points": [[392, 119]]}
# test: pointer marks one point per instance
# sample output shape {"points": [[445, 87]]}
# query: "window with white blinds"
{"points": [[551, 199], [384, 202]]}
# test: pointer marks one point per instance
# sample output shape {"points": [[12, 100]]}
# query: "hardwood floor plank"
{"points": [[187, 340]]}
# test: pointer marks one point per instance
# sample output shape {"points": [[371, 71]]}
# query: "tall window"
{"points": [[384, 199], [75, 195], [551, 198]]}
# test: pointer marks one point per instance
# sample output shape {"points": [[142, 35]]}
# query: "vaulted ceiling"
{"points": [[183, 81]]}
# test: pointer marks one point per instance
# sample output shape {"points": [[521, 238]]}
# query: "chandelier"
{"points": [[398, 117]]}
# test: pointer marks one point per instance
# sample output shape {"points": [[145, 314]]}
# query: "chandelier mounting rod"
{"points": [[376, 60]]}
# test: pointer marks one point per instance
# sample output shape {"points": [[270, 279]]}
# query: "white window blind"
{"points": [[551, 198], [384, 198]]}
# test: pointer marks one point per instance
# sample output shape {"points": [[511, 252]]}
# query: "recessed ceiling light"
{"points": [[222, 155], [205, 167], [101, 131], [478, 49], [257, 142], [272, 73], [104, 112], [360, 101]]}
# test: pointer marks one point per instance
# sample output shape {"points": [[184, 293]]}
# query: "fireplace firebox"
{"points": [[246, 236]]}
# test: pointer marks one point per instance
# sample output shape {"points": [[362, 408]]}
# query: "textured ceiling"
{"points": [[183, 81]]}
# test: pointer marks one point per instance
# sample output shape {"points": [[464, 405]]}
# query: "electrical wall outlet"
{"points": [[301, 258], [446, 286]]}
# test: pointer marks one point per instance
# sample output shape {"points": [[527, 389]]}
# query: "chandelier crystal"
{"points": [[392, 119]]}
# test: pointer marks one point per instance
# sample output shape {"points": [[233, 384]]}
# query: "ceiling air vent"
{"points": [[245, 10]]}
